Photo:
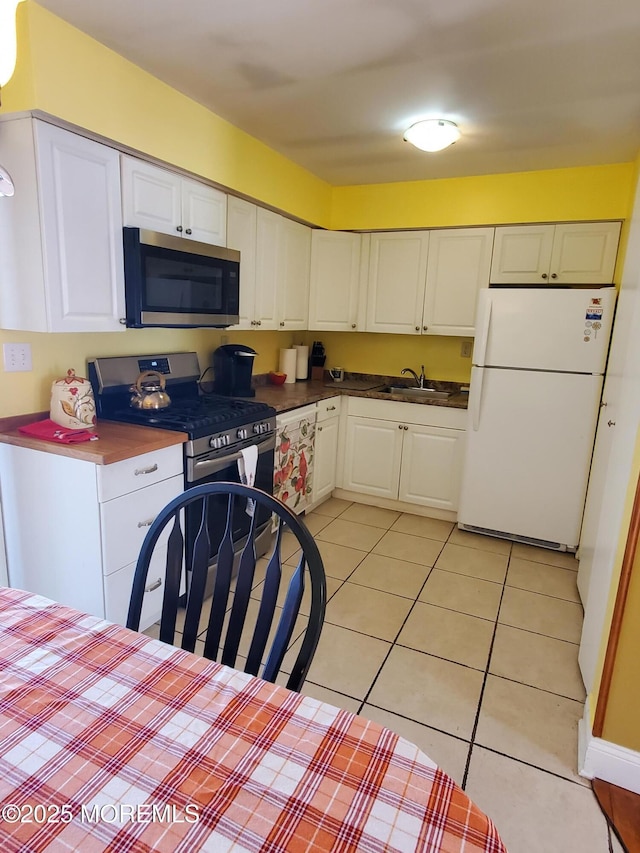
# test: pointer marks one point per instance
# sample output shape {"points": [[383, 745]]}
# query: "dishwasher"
{"points": [[293, 464]]}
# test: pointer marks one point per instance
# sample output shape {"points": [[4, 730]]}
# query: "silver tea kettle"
{"points": [[149, 393]]}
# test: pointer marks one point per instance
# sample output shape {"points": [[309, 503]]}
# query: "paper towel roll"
{"points": [[288, 364], [302, 362]]}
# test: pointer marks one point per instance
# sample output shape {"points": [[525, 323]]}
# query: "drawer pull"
{"points": [[153, 585], [147, 523], [331, 408], [149, 470]]}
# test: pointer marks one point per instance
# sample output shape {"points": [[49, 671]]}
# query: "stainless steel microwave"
{"points": [[178, 283]]}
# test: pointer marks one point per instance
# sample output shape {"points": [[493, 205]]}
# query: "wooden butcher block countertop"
{"points": [[115, 441]]}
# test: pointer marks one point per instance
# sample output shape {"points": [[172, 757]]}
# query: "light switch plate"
{"points": [[17, 357]]}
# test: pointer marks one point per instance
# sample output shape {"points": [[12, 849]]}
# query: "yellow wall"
{"points": [[589, 192], [367, 352], [52, 355]]}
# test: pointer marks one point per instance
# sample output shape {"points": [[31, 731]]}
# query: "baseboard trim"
{"points": [[601, 759], [398, 506]]}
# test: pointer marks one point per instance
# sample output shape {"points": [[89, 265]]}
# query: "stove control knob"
{"points": [[260, 429], [243, 433]]}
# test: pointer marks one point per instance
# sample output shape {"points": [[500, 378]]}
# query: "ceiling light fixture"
{"points": [[7, 39], [432, 134]]}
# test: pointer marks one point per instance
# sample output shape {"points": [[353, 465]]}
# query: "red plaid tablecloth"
{"points": [[112, 741]]}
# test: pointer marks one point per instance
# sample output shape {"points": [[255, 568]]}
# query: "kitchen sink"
{"points": [[420, 393]]}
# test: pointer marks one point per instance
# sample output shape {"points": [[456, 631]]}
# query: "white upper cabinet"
{"points": [[267, 258], [397, 277], [293, 277], [241, 235], [164, 201], [579, 253], [458, 266], [274, 266], [335, 281], [61, 234]]}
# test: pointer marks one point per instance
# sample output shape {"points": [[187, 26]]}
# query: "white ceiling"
{"points": [[332, 84]]}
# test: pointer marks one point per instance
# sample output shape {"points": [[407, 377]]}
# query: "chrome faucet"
{"points": [[419, 379]]}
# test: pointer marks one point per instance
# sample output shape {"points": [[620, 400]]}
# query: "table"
{"points": [[110, 740]]}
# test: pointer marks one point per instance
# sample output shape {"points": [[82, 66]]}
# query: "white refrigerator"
{"points": [[538, 367]]}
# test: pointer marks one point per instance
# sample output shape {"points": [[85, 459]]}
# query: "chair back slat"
{"points": [[226, 626], [221, 586], [244, 583], [175, 546], [268, 603], [287, 621], [173, 575], [199, 567]]}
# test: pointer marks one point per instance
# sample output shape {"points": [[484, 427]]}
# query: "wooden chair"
{"points": [[309, 571]]}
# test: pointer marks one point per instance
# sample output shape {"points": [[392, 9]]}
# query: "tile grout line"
{"points": [[393, 643], [476, 721]]}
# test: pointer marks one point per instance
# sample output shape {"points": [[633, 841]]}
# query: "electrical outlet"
{"points": [[17, 357], [224, 339], [465, 349]]}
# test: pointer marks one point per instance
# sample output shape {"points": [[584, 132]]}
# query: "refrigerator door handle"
{"points": [[476, 396], [483, 321]]}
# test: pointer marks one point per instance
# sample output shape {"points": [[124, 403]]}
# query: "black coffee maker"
{"points": [[232, 369]]}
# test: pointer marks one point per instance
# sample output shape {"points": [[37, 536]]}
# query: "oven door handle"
{"points": [[205, 467]]}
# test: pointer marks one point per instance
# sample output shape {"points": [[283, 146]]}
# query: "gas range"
{"points": [[212, 421]]}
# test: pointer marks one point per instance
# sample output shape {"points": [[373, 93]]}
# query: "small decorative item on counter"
{"points": [[72, 403], [277, 378]]}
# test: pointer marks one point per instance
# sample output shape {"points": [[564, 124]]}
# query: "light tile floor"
{"points": [[467, 646]]}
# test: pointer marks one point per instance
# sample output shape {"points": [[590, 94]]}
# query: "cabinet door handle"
{"points": [[399, 426], [554, 275], [149, 470], [319, 429], [544, 275], [417, 328], [179, 228], [424, 328], [331, 408], [405, 427], [189, 231], [157, 583], [353, 326], [282, 322], [146, 523], [611, 423], [258, 322]]}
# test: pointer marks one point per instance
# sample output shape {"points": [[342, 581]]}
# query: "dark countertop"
{"points": [[302, 392]]}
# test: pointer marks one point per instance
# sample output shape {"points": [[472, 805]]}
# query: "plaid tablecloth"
{"points": [[112, 741]]}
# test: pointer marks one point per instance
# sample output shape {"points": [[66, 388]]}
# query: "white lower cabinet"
{"points": [[431, 467], [405, 452], [74, 529], [326, 449]]}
